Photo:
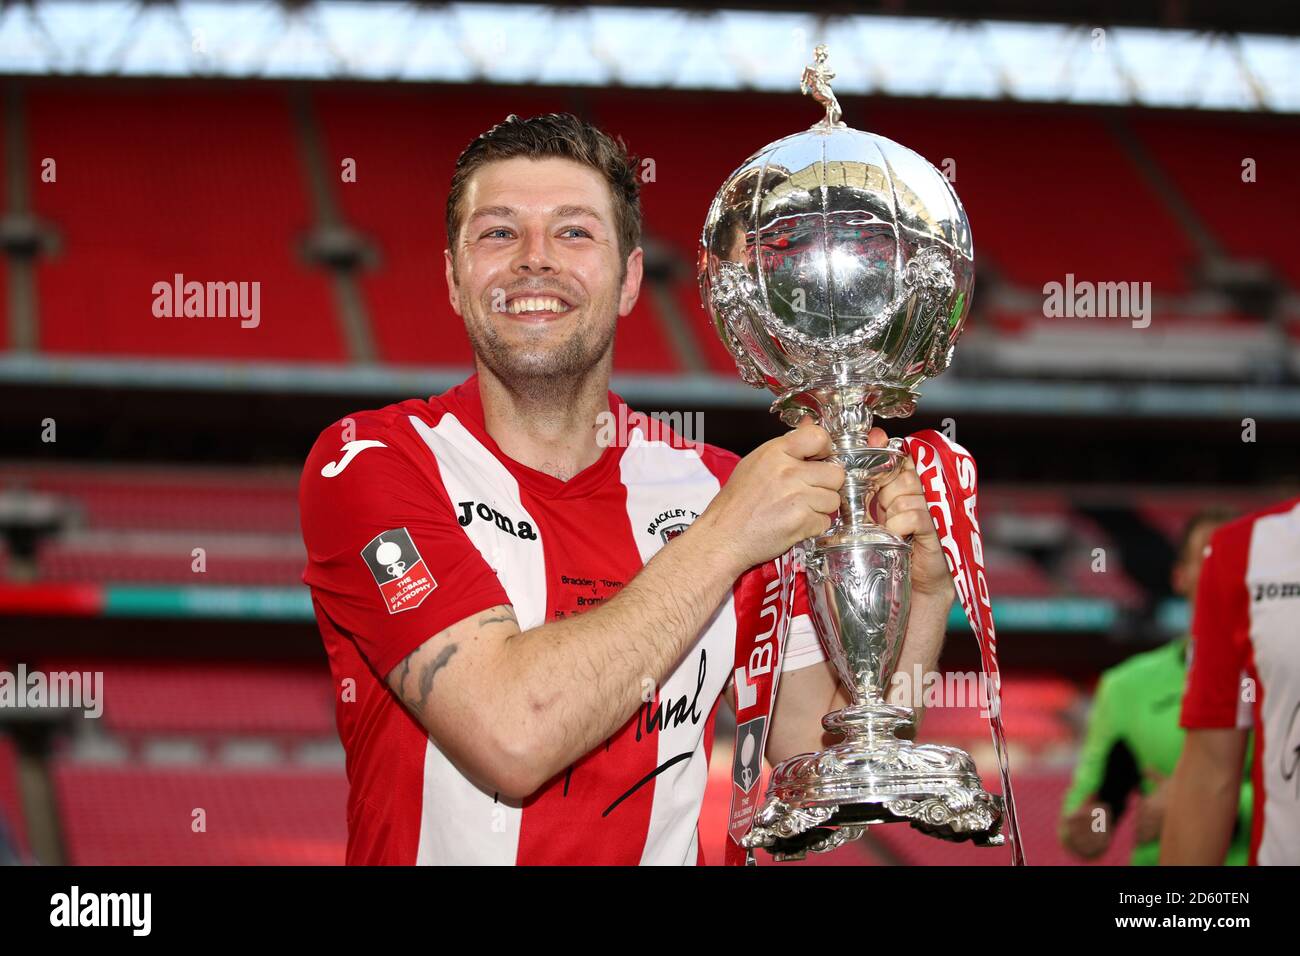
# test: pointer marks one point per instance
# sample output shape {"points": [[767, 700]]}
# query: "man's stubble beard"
{"points": [[543, 374], [547, 370]]}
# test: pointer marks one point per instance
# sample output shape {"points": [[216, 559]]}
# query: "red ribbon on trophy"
{"points": [[764, 600], [949, 480]]}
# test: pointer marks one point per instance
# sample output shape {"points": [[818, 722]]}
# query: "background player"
{"points": [[1245, 672], [1133, 738]]}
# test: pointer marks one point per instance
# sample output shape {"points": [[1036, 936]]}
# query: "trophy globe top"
{"points": [[837, 258]]}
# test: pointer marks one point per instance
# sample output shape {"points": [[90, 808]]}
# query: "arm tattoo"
{"points": [[505, 615], [430, 670], [426, 673], [418, 699]]}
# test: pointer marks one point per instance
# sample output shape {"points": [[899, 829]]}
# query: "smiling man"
{"points": [[530, 629]]}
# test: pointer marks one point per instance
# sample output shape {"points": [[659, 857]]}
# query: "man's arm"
{"points": [[1205, 788], [1078, 831], [1203, 797], [926, 626], [513, 709]]}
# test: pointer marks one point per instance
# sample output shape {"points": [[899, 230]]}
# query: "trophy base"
{"points": [[817, 802]]}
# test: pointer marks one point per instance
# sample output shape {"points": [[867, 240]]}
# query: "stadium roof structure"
{"points": [[651, 47]]}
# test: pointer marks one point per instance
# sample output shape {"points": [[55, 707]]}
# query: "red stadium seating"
{"points": [[1033, 712], [1113, 584], [4, 297], [1049, 191], [11, 804], [234, 205], [1168, 511], [211, 698], [154, 498], [171, 563], [687, 177], [1010, 573], [1203, 155], [141, 816], [405, 144], [154, 181]]}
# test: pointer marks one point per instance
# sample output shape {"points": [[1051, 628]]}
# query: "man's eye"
{"points": [[578, 229], [499, 230]]}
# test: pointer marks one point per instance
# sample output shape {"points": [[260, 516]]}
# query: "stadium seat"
{"points": [[1011, 574], [686, 177], [141, 816], [1169, 510], [11, 805], [1203, 155], [162, 498], [155, 181], [1035, 211], [211, 698], [170, 560]]}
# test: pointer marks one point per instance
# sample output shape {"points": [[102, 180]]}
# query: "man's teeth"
{"points": [[538, 304]]}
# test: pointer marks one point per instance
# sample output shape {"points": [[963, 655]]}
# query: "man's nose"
{"points": [[536, 254]]}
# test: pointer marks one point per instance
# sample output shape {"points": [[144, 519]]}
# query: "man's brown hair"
{"points": [[560, 135]]}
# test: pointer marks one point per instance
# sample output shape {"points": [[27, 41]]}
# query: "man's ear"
{"points": [[631, 281], [453, 296]]}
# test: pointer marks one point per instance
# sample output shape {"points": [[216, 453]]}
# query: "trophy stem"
{"points": [[853, 501], [873, 722]]}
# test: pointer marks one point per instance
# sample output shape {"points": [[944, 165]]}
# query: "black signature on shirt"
{"points": [[1291, 758], [665, 714]]}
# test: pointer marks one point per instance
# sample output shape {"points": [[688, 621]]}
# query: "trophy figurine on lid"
{"points": [[837, 267]]}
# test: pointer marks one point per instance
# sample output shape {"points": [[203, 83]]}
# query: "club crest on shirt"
{"points": [[672, 522], [399, 570]]}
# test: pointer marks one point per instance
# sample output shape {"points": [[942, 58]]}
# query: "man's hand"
{"points": [[779, 494], [1079, 833], [900, 506], [1151, 808]]}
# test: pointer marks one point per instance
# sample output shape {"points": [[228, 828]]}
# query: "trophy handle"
{"points": [[740, 318]]}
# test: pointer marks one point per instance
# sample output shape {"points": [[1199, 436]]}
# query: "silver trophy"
{"points": [[837, 266]]}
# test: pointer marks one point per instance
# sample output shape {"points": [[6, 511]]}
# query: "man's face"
{"points": [[536, 272]]}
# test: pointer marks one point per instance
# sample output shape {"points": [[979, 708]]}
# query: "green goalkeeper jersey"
{"points": [[1132, 731]]}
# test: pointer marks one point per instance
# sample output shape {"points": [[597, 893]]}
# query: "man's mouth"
{"points": [[536, 306]]}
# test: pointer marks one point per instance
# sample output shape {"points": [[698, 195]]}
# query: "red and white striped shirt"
{"points": [[414, 520], [1245, 668]]}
